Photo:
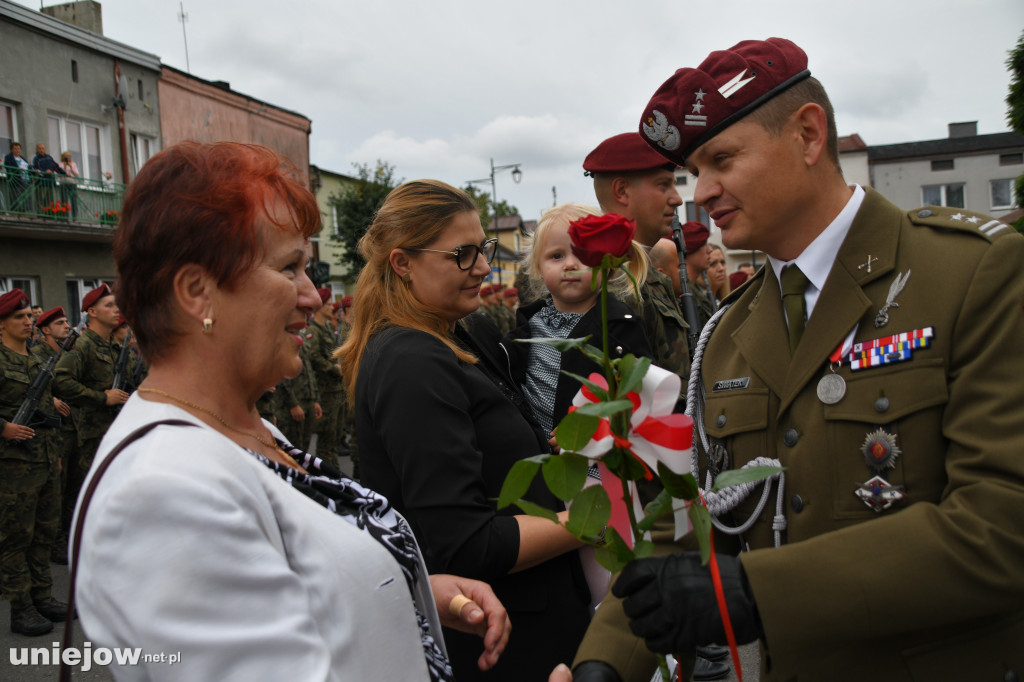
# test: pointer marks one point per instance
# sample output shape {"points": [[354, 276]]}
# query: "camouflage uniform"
{"points": [[506, 318], [320, 345], [65, 446], [82, 376], [666, 329], [705, 308], [29, 490], [301, 391], [347, 419]]}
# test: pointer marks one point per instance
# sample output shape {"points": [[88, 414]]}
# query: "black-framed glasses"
{"points": [[466, 255]]}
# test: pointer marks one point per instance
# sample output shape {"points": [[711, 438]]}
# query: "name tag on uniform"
{"points": [[731, 384]]}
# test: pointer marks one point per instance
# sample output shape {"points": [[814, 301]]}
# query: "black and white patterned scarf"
{"points": [[373, 514], [545, 362]]}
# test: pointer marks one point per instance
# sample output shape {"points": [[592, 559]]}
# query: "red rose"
{"points": [[594, 236]]}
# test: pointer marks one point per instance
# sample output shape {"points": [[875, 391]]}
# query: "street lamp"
{"points": [[517, 176]]}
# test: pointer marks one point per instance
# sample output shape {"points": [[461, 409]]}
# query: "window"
{"points": [[74, 71], [143, 148], [1001, 192], [25, 283], [680, 179], [8, 127], [140, 90], [88, 143], [335, 220], [1011, 159], [943, 195], [942, 164], [694, 212]]}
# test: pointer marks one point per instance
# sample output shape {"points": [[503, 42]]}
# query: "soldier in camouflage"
{"points": [[29, 479], [633, 181], [321, 344], [85, 378], [54, 329], [298, 402], [347, 422]]}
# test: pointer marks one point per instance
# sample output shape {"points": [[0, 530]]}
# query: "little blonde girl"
{"points": [[567, 307]]}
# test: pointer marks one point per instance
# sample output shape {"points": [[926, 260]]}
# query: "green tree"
{"points": [[484, 207], [357, 204], [1015, 112]]}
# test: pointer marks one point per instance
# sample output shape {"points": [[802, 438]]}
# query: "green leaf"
{"points": [[738, 476], [593, 352], [605, 409], [633, 373], [600, 392], [517, 482], [565, 475], [615, 553], [681, 486], [575, 431], [536, 510], [643, 548], [589, 512], [658, 507], [562, 345], [701, 520], [634, 468]]}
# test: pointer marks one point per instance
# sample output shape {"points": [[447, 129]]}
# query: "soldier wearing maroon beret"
{"points": [[883, 372], [634, 181], [29, 478], [84, 378]]}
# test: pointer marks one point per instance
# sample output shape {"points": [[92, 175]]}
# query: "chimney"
{"points": [[966, 129], [85, 14]]}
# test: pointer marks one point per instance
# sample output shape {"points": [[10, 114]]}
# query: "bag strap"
{"points": [[65, 670]]}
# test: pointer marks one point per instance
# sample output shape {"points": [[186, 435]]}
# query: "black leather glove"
{"points": [[595, 671], [671, 603]]}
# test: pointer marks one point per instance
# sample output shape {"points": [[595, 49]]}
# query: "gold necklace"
{"points": [[287, 460]]}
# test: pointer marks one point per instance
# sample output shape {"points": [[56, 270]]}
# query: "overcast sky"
{"points": [[438, 88]]}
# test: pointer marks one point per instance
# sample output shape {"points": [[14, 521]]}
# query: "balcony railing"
{"points": [[58, 198]]}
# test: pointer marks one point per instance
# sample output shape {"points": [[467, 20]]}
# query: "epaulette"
{"points": [[960, 219]]}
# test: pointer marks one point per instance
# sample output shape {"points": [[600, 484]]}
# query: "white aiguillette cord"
{"points": [[726, 500]]}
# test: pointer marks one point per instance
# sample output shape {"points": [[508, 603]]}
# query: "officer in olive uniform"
{"points": [[298, 401], [85, 378], [878, 357], [54, 329], [637, 183], [29, 479], [321, 343]]}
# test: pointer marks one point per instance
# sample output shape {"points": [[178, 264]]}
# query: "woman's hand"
{"points": [[483, 614]]}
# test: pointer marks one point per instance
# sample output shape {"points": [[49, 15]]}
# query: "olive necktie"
{"points": [[794, 283]]}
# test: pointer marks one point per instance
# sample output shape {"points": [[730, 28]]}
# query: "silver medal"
{"points": [[831, 389]]}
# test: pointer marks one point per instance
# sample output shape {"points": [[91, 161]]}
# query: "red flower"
{"points": [[594, 236]]}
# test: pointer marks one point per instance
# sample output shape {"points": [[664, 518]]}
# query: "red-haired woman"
{"points": [[215, 537]]}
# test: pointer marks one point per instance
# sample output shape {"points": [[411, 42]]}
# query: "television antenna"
{"points": [[183, 18]]}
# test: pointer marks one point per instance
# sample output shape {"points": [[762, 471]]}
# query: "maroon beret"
{"points": [[325, 294], [120, 321], [737, 278], [335, 306], [625, 153], [15, 299], [50, 316], [695, 235], [96, 294], [511, 291], [694, 105], [346, 301], [486, 290]]}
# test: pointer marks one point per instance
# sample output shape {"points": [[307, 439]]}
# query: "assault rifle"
{"points": [[121, 366], [27, 411], [686, 299]]}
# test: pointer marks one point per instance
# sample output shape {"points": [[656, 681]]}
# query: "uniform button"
{"points": [[1011, 676], [797, 503], [882, 405], [924, 213], [628, 317], [790, 437], [720, 422], [618, 349]]}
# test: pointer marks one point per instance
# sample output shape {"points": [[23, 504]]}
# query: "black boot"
{"points": [[28, 621], [57, 611], [713, 653], [706, 670]]}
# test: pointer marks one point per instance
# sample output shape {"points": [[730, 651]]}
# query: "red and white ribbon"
{"points": [[655, 435]]}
